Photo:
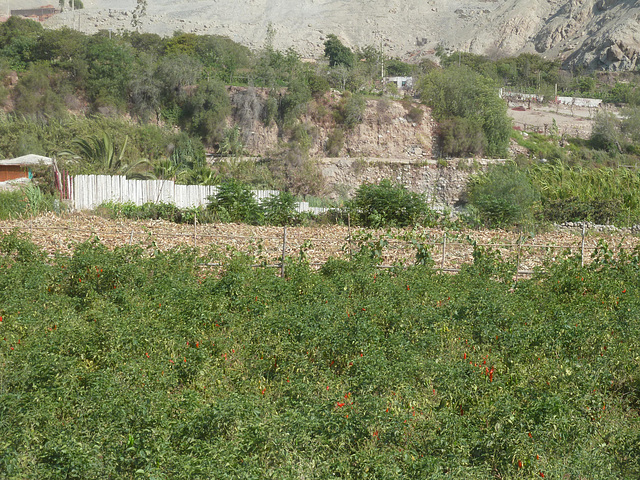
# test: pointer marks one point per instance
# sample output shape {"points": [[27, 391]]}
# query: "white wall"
{"points": [[89, 191]]}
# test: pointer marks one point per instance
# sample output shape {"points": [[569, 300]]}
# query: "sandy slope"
{"points": [[605, 34]]}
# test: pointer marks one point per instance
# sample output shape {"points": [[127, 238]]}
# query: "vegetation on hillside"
{"points": [[176, 92]]}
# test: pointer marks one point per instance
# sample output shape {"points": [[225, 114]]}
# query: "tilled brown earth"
{"points": [[60, 234]]}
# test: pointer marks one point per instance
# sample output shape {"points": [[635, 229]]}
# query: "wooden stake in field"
{"points": [[349, 234], [284, 249], [520, 242], [444, 250], [582, 248]]}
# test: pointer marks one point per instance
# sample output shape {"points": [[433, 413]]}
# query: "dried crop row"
{"points": [[59, 234]]}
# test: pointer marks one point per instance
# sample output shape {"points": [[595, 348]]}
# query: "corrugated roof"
{"points": [[30, 159]]}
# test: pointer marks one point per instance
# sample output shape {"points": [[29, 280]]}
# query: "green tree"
{"points": [[280, 209], [293, 102], [235, 202], [630, 124], [460, 92], [110, 69], [145, 89], [150, 43], [64, 49], [37, 93], [18, 38], [205, 111], [351, 110], [337, 52], [462, 137], [176, 73], [222, 56], [606, 133]]}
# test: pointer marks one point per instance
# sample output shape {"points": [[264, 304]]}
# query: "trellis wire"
{"points": [[393, 244]]}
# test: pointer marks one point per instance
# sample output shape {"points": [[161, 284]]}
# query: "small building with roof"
{"points": [[22, 167]]}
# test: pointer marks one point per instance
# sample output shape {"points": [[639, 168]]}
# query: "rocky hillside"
{"points": [[600, 34], [388, 129]]}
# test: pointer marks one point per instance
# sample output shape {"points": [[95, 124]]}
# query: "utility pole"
{"points": [[381, 59]]}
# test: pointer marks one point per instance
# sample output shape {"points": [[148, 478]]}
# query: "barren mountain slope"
{"points": [[603, 34]]}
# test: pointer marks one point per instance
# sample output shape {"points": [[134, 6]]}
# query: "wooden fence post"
{"points": [[195, 230], [582, 247], [444, 250], [349, 234], [284, 248], [131, 238], [518, 256]]}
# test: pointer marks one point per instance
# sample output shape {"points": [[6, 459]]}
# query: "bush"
{"points": [[234, 202], [335, 142], [350, 112], [606, 133], [280, 209], [415, 114], [503, 196], [337, 53], [462, 137], [26, 202], [153, 211], [460, 92], [205, 111], [386, 204], [604, 211]]}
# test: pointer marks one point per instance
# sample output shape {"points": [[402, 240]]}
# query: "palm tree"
{"points": [[99, 153]]}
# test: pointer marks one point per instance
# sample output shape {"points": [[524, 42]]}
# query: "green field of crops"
{"points": [[137, 363]]}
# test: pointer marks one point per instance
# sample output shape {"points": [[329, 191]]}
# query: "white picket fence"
{"points": [[89, 191]]}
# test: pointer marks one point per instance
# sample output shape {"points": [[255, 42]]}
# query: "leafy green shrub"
{"points": [[606, 133], [415, 114], [335, 142], [235, 202], [350, 111], [154, 211], [26, 202], [460, 92], [387, 204], [293, 102], [583, 193], [605, 211], [503, 196], [205, 110], [280, 209], [231, 143], [13, 204], [462, 137], [39, 94], [337, 53]]}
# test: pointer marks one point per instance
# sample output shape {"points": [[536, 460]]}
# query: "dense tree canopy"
{"points": [[337, 52], [461, 93]]}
